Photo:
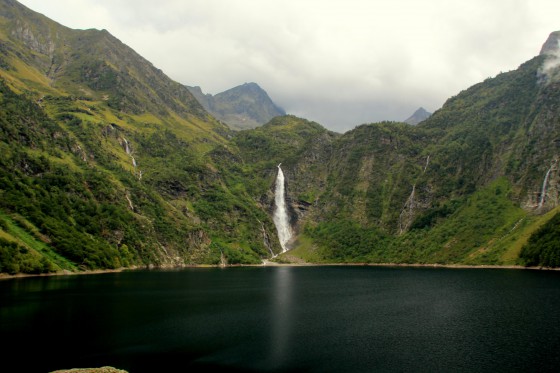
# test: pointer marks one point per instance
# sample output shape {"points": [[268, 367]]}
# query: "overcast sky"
{"points": [[338, 62]]}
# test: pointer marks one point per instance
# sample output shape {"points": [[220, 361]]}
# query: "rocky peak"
{"points": [[419, 115], [550, 69], [241, 107], [552, 44]]}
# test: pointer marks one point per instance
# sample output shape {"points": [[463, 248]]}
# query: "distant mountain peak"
{"points": [[245, 87], [241, 107], [419, 115]]}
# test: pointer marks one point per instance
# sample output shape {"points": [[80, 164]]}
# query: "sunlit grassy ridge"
{"points": [[114, 163]]}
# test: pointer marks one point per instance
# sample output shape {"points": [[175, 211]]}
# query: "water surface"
{"points": [[316, 319]]}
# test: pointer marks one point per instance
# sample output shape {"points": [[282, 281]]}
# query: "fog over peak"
{"points": [[550, 69]]}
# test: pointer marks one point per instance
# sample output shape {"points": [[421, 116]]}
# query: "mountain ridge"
{"points": [[108, 163], [242, 107], [552, 43], [137, 159], [418, 116]]}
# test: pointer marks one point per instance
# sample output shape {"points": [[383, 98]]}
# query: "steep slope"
{"points": [[303, 148], [108, 162], [468, 185], [48, 58], [242, 107]]}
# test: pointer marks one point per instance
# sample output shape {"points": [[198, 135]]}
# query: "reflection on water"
{"points": [[273, 319], [281, 315], [22, 298]]}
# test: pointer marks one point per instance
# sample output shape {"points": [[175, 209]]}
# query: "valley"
{"points": [[108, 163]]}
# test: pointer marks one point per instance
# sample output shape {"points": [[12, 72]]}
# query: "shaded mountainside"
{"points": [[303, 147], [106, 162], [468, 185], [242, 107]]}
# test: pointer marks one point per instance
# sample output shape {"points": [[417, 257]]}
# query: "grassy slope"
{"points": [[484, 150], [202, 196], [185, 208]]}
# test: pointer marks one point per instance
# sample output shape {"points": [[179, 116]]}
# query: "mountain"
{"points": [[418, 116], [242, 107], [476, 183], [552, 44], [108, 163]]}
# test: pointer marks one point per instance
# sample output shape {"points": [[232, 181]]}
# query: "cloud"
{"points": [[341, 63], [550, 69]]}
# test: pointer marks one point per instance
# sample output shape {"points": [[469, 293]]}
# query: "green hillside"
{"points": [[99, 170], [465, 186], [108, 163]]}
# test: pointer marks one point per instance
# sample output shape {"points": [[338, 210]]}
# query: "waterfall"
{"points": [[427, 163], [411, 199], [129, 201], [407, 213], [126, 147], [280, 216], [543, 191], [129, 153]]}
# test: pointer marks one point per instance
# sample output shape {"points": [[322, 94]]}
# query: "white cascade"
{"points": [[126, 147], [280, 217], [427, 163], [543, 191], [129, 153], [407, 215], [129, 201]]}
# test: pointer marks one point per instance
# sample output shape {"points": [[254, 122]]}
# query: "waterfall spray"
{"points": [[280, 216]]}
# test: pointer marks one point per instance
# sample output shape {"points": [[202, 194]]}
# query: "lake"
{"points": [[315, 319]]}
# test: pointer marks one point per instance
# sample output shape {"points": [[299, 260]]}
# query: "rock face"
{"points": [[92, 370], [419, 115], [552, 44], [94, 114], [242, 107]]}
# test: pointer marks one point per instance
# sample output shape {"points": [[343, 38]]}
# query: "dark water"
{"points": [[341, 319]]}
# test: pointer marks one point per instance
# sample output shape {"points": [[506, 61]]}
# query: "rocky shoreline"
{"points": [[91, 370]]}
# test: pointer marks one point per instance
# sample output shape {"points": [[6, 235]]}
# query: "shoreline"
{"points": [[413, 265], [6, 276], [266, 263]]}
